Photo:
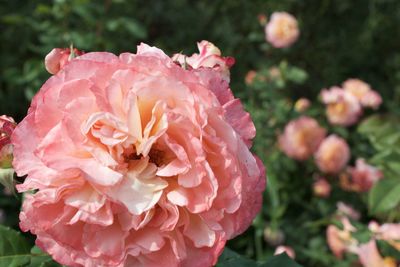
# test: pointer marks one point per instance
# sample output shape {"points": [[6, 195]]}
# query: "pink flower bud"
{"points": [[322, 188], [59, 57], [332, 155], [209, 57], [262, 19], [282, 30], [282, 249], [343, 108], [301, 138], [7, 126], [302, 105]]}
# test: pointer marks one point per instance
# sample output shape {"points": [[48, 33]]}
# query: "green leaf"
{"points": [[41, 259], [281, 260], [14, 249], [384, 196], [230, 258]]}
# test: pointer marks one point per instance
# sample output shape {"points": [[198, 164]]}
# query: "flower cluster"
{"points": [[344, 105]]}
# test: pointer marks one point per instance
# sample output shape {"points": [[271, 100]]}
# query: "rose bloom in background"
{"points": [[360, 178], [282, 30], [343, 108], [301, 138], [332, 155], [363, 92], [139, 159]]}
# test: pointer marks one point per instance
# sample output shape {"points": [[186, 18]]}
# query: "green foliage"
{"points": [[231, 259], [384, 196], [15, 251], [384, 134]]}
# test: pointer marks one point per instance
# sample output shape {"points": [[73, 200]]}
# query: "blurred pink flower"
{"points": [[342, 108], [282, 30], [363, 92], [137, 161], [262, 19], [390, 232], [363, 176], [250, 76], [332, 154], [371, 99], [59, 57], [209, 57], [369, 256], [347, 211], [285, 249], [322, 188], [7, 126], [341, 240], [301, 138], [302, 104]]}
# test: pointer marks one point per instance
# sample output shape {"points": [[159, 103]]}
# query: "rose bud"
{"points": [[322, 188], [285, 249], [59, 57], [209, 57]]}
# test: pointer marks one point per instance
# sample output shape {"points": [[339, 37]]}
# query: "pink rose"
{"points": [[342, 108], [301, 138], [285, 249], [332, 155], [209, 57], [136, 161], [322, 188], [363, 176], [363, 92], [7, 126], [370, 257], [341, 240], [59, 57], [282, 30]]}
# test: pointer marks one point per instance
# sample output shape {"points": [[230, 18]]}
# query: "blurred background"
{"points": [[338, 40]]}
